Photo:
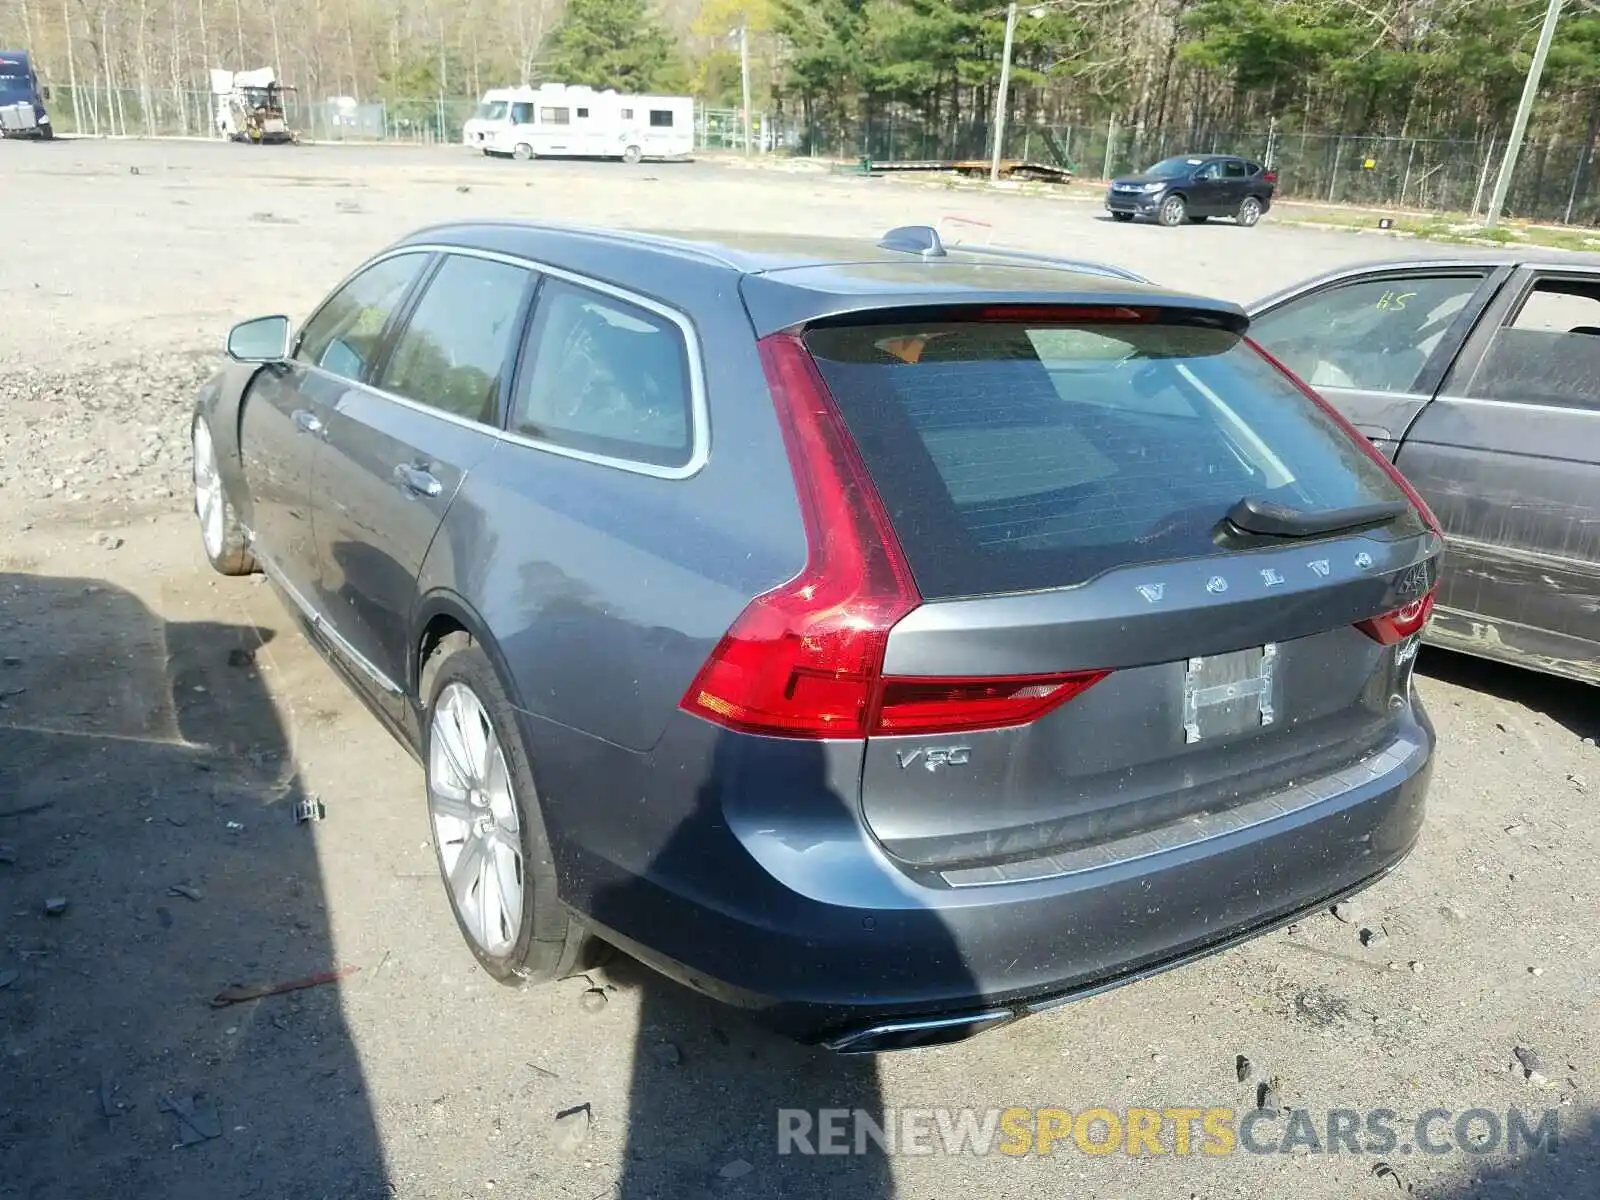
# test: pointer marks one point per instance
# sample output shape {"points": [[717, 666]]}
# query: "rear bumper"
{"points": [[805, 921]]}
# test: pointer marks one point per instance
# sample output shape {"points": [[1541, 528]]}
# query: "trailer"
{"points": [[1010, 168], [558, 120]]}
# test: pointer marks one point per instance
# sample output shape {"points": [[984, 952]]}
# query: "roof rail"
{"points": [[1051, 260], [914, 239]]}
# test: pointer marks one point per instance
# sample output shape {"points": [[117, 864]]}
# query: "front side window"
{"points": [[661, 118], [453, 353], [605, 377], [1372, 334], [344, 335], [522, 114]]}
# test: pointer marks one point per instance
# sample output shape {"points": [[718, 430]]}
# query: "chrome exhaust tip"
{"points": [[919, 1034]]}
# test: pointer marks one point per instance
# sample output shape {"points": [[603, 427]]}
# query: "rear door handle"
{"points": [[307, 421], [415, 479]]}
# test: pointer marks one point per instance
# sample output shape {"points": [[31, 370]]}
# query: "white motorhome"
{"points": [[580, 122]]}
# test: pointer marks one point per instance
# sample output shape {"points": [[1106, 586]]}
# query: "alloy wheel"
{"points": [[475, 821], [208, 497]]}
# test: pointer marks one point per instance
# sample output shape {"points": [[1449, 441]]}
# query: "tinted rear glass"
{"points": [[1014, 457]]}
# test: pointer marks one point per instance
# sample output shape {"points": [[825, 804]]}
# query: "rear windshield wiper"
{"points": [[1271, 519]]}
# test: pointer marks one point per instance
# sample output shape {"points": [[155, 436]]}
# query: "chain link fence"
{"points": [[128, 112], [1555, 180]]}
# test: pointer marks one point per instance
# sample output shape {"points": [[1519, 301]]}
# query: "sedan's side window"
{"points": [[344, 335], [1371, 334], [605, 377], [1549, 352], [455, 350]]}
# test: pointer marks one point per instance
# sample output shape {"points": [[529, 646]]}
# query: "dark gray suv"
{"points": [[891, 638]]}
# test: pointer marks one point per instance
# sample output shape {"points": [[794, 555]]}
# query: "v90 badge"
{"points": [[934, 757]]}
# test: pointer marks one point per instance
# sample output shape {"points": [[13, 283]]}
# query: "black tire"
{"points": [[632, 155], [522, 152], [47, 133], [1250, 210], [1116, 216], [549, 942], [1174, 211], [230, 553]]}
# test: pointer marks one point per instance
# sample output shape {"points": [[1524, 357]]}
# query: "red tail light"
{"points": [[805, 660], [1397, 626], [918, 705], [1269, 176], [1358, 437]]}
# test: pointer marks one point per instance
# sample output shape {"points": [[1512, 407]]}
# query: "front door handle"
{"points": [[307, 421], [415, 479]]}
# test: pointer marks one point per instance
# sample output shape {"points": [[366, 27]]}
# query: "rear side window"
{"points": [[604, 377], [453, 353], [344, 335], [1014, 457], [1550, 352], [1233, 169]]}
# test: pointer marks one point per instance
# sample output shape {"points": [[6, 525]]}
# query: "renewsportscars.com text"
{"points": [[1178, 1130]]}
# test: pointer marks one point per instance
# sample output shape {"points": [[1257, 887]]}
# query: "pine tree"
{"points": [[614, 44]]}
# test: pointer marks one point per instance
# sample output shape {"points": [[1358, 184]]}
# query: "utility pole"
{"points": [[1530, 91], [744, 78], [1005, 89]]}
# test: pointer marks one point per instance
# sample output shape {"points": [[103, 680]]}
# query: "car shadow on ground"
{"points": [[1567, 1168], [1573, 705], [145, 781]]}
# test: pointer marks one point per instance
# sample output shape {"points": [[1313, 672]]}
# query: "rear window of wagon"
{"points": [[1014, 456]]}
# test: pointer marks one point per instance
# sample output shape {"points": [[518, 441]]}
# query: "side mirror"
{"points": [[263, 340]]}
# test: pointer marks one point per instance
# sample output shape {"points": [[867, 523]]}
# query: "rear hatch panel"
{"points": [[1059, 486]]}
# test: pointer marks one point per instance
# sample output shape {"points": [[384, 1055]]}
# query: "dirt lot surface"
{"points": [[158, 725]]}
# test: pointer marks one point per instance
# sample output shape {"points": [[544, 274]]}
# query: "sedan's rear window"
{"points": [[1015, 456]]}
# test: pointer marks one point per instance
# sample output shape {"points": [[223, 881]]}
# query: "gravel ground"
{"points": [[158, 725]]}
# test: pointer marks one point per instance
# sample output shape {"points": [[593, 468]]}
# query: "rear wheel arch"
{"points": [[444, 614]]}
